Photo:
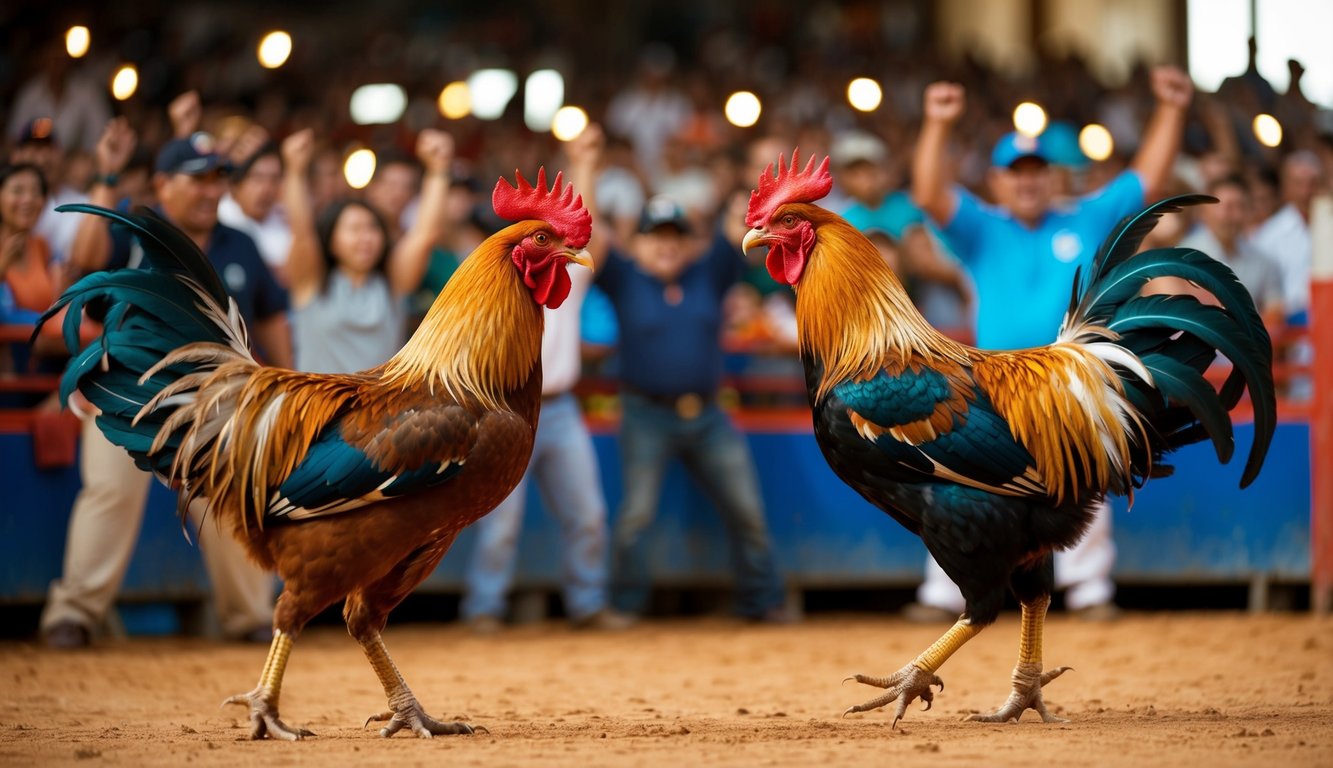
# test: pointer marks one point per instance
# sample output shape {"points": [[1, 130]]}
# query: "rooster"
{"points": [[348, 486], [996, 459]]}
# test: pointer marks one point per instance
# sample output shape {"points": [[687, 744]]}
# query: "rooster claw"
{"points": [[264, 721], [1028, 681], [423, 725], [908, 683]]}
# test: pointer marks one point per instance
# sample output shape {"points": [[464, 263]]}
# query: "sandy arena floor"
{"points": [[1153, 689]]}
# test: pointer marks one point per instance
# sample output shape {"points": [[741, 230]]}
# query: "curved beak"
{"points": [[581, 257], [754, 238]]}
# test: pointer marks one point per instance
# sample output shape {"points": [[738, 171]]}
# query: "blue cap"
{"points": [[193, 156], [1060, 144], [1015, 146], [663, 212]]}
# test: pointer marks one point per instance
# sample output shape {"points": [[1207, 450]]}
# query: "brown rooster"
{"points": [[348, 486], [995, 458]]}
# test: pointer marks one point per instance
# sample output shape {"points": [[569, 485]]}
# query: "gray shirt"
{"points": [[1257, 271], [346, 328]]}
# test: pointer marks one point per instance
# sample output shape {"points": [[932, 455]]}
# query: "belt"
{"points": [[687, 405]]}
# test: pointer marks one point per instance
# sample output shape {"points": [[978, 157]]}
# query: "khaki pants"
{"points": [[103, 529]]}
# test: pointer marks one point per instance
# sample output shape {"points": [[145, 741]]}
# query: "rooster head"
{"points": [[777, 215], [559, 229]]}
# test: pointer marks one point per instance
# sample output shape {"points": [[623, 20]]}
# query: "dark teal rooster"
{"points": [[995, 459]]}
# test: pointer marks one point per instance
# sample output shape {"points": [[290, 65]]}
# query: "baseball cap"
{"points": [[858, 147], [192, 156], [663, 212], [39, 130], [1014, 147], [1059, 142]]}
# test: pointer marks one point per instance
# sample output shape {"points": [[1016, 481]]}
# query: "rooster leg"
{"points": [[1028, 677], [404, 710], [263, 700], [914, 680]]}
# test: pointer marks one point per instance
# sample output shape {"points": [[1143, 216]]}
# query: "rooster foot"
{"points": [[409, 715], [1028, 681], [264, 720], [908, 683]]}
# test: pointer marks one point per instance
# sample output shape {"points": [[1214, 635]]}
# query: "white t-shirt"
{"points": [[562, 354], [1286, 237], [272, 235]]}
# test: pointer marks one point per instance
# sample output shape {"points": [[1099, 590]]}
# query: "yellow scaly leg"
{"points": [[404, 711], [263, 700], [914, 680], [1028, 678]]}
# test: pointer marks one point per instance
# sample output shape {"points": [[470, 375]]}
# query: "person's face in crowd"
{"points": [[458, 204], [357, 240], [192, 201], [391, 190], [762, 153], [1300, 181], [1025, 188], [43, 154], [1264, 201], [257, 192], [663, 252], [1227, 219], [21, 201], [866, 181]]}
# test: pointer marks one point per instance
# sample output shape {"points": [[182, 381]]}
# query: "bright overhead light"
{"points": [[125, 82], [274, 49], [543, 94], [77, 40], [864, 94], [359, 168], [455, 100], [1096, 142], [378, 104], [1267, 130], [743, 109], [568, 123], [491, 91], [1029, 119]]}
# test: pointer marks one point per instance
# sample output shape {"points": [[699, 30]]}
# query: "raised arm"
{"points": [[1172, 89], [585, 157], [411, 255], [305, 264], [91, 248], [932, 182]]}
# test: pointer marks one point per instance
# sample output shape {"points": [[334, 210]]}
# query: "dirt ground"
{"points": [[1152, 689]]}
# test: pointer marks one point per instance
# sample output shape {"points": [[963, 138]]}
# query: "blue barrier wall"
{"points": [[1193, 527]]}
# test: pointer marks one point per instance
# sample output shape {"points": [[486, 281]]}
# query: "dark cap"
{"points": [[663, 212], [1014, 147], [193, 156], [39, 130]]}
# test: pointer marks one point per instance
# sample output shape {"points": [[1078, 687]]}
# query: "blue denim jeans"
{"points": [[718, 459], [565, 467]]}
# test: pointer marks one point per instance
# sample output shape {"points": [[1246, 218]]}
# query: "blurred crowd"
{"points": [[334, 277]]}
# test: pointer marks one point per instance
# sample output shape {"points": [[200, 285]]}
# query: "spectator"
{"points": [[1286, 234], [350, 279], [251, 205], [668, 306], [28, 280], [651, 110], [563, 463], [74, 106], [1026, 247], [862, 169], [1221, 235], [107, 513], [38, 145]]}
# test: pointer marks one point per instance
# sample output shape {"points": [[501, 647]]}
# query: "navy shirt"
{"points": [[235, 257], [670, 349]]}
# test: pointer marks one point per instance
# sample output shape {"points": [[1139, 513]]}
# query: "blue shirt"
{"points": [[235, 257], [894, 216], [670, 349], [1024, 276]]}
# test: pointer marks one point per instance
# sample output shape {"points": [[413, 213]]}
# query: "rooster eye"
{"points": [[541, 239], [789, 220]]}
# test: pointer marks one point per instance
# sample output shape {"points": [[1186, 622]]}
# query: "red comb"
{"points": [[789, 186], [560, 208]]}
